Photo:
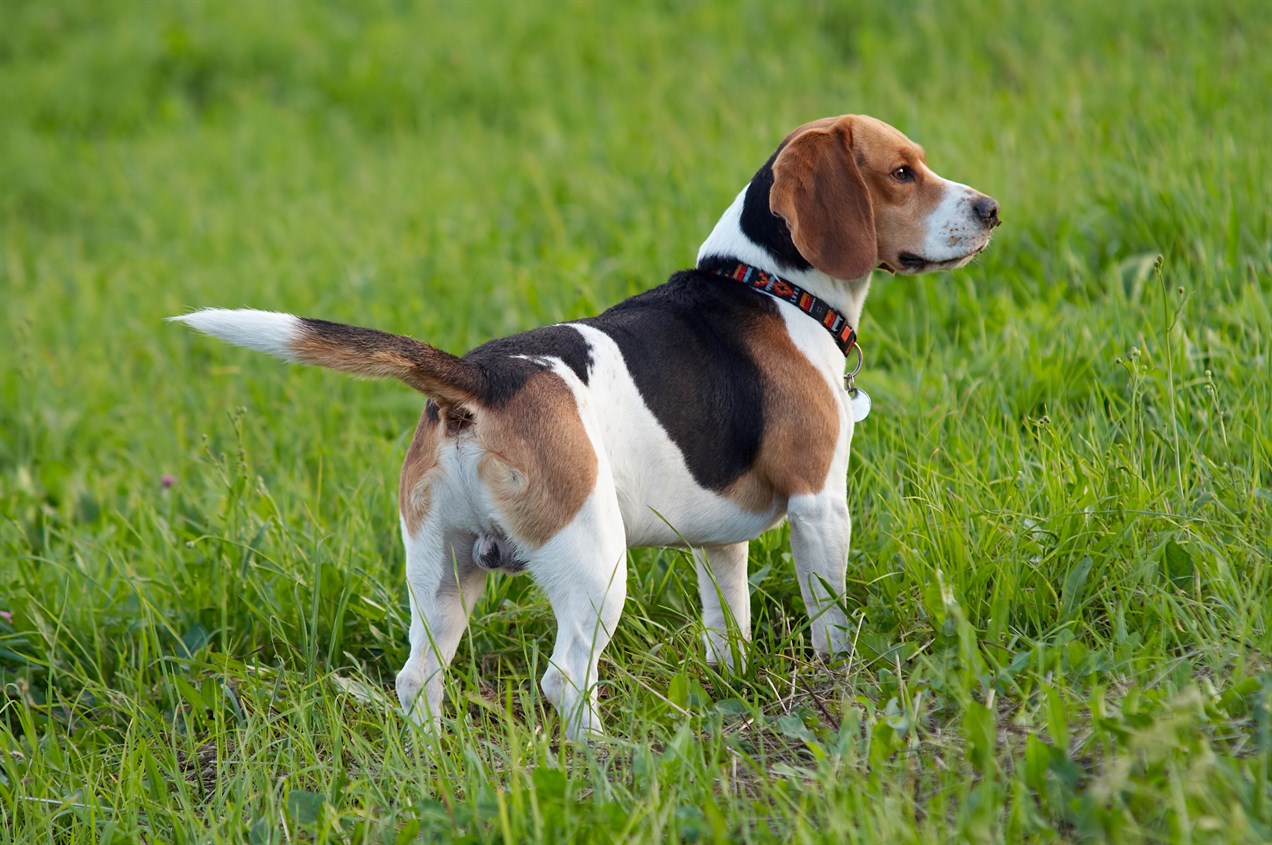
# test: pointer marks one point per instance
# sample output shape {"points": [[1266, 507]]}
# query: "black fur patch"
{"points": [[764, 227], [505, 375], [682, 343]]}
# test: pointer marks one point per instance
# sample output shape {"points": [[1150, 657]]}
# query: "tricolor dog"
{"points": [[702, 412]]}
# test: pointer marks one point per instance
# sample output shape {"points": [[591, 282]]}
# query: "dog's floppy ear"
{"points": [[819, 192]]}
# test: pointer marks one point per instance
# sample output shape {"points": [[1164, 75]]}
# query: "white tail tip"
{"points": [[264, 331]]}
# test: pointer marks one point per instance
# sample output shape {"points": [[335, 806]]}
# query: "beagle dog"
{"points": [[700, 413]]}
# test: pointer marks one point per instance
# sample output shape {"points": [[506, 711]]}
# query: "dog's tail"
{"points": [[364, 352]]}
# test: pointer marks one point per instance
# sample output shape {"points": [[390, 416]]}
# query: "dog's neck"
{"points": [[748, 232]]}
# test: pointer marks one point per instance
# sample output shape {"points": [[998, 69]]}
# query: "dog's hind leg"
{"points": [[444, 584], [583, 569], [723, 587]]}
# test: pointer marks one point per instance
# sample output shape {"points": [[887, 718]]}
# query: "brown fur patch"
{"points": [[801, 422], [415, 491], [375, 354], [539, 464]]}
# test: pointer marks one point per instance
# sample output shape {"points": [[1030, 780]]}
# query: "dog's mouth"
{"points": [[909, 263], [914, 263]]}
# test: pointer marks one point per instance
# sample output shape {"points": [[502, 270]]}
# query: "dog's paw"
{"points": [[830, 639], [586, 728], [576, 708], [722, 650], [415, 698]]}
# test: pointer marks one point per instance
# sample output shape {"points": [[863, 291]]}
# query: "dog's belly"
{"points": [[661, 503], [707, 519]]}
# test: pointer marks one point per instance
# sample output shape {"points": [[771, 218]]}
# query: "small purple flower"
{"points": [[6, 616], [167, 481]]}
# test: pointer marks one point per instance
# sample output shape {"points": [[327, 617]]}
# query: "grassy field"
{"points": [[1060, 575]]}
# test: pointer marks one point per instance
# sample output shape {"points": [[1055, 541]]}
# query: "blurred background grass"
{"points": [[1064, 488]]}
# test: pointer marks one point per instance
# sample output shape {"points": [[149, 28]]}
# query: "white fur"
{"points": [[443, 584], [264, 331], [954, 233], [583, 569], [727, 238], [726, 602]]}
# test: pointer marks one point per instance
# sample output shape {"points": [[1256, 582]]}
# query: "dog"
{"points": [[700, 413]]}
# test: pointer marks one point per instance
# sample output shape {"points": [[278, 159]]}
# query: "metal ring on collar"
{"points": [[861, 360]]}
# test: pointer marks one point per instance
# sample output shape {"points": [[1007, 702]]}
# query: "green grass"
{"points": [[1060, 574]]}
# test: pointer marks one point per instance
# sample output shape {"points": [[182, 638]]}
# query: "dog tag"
{"points": [[860, 401]]}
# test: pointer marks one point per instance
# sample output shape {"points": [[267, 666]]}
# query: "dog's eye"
{"points": [[903, 174]]}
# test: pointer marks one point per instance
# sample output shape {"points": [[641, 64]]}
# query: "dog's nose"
{"points": [[986, 209]]}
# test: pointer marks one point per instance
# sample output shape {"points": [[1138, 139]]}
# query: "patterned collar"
{"points": [[759, 280]]}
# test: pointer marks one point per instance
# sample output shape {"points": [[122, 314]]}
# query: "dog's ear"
{"points": [[818, 190]]}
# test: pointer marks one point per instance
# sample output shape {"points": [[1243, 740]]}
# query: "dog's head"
{"points": [[857, 194]]}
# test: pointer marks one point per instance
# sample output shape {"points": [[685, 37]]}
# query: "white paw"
{"points": [[723, 651], [831, 637], [415, 701], [584, 729], [576, 709]]}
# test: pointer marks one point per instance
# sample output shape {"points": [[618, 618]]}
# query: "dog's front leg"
{"points": [[723, 587], [820, 532], [444, 583]]}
